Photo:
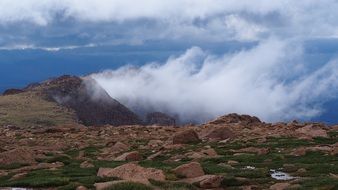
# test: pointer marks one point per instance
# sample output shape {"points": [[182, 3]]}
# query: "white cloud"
{"points": [[198, 86], [201, 19], [51, 49], [243, 30]]}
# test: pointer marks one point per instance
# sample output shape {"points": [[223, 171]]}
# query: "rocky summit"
{"points": [[231, 152]]}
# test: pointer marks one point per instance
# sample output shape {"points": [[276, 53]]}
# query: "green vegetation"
{"points": [[173, 185], [129, 186]]}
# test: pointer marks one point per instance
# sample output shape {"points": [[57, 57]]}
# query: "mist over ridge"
{"points": [[269, 80]]}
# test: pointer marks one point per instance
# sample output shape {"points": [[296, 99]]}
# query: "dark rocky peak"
{"points": [[158, 118], [12, 91], [234, 118], [91, 103]]}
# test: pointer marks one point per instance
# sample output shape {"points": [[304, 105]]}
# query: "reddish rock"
{"points": [[232, 162], [81, 188], [235, 118], [120, 147], [129, 156], [192, 169], [3, 173], [186, 137], [219, 134], [209, 152], [86, 164], [133, 172], [155, 143], [334, 151], [153, 156], [18, 176], [108, 184], [312, 130], [279, 186], [301, 151], [205, 181], [259, 151], [18, 155]]}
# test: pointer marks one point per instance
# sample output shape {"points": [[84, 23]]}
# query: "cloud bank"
{"points": [[272, 79], [269, 80], [77, 22]]}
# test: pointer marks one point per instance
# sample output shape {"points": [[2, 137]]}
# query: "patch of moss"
{"points": [[129, 186], [172, 185]]}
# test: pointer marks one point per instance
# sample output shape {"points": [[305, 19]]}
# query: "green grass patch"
{"points": [[172, 185], [320, 183], [129, 186], [12, 166]]}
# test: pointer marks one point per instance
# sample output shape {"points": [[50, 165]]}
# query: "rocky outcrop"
{"points": [[234, 118], [17, 156], [279, 186], [186, 137], [91, 103], [133, 172], [119, 147], [129, 156], [219, 134], [312, 130], [205, 181], [158, 118]]}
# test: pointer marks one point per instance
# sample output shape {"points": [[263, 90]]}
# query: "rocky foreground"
{"points": [[231, 152]]}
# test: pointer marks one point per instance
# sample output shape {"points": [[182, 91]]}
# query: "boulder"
{"points": [[81, 188], [120, 147], [186, 137], [300, 151], [133, 172], [259, 151], [17, 156], [279, 186], [129, 156], [86, 164], [205, 181], [3, 173], [219, 134], [155, 155], [210, 152], [155, 143], [334, 150], [190, 170], [108, 184], [234, 118], [161, 119]]}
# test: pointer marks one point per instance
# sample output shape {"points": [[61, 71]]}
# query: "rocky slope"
{"points": [[231, 152]]}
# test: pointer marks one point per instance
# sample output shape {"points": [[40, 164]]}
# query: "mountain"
{"points": [[66, 99]]}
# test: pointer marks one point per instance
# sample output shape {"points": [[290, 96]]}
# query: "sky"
{"points": [[193, 59]]}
